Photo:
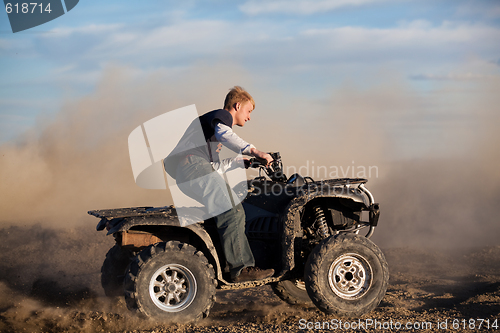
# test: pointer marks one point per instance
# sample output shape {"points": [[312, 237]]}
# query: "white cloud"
{"points": [[472, 69], [4, 44], [484, 9], [91, 29], [418, 36], [275, 44], [301, 7], [273, 50], [20, 45], [260, 43], [96, 45], [13, 117], [194, 34], [453, 76]]}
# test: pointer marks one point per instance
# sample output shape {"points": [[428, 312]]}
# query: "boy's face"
{"points": [[243, 111]]}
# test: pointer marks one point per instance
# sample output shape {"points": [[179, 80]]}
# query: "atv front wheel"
{"points": [[171, 282], [346, 275], [293, 292]]}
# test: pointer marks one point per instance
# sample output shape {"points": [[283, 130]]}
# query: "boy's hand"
{"points": [[264, 158]]}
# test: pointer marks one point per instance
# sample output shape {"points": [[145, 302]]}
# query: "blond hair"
{"points": [[237, 95]]}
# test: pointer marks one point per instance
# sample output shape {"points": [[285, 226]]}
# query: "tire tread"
{"points": [[313, 273], [131, 294]]}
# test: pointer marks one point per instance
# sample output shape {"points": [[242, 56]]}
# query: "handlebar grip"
{"points": [[254, 163]]}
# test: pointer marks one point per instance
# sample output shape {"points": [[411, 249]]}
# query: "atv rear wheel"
{"points": [[171, 282], [293, 292], [346, 275], [113, 271]]}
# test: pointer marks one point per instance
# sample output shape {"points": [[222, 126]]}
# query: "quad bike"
{"points": [[307, 231]]}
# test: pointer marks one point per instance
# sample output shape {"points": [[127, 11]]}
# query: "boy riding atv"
{"points": [[192, 168], [302, 234]]}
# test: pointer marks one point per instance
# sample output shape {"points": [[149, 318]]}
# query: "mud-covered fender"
{"points": [[291, 217], [125, 224]]}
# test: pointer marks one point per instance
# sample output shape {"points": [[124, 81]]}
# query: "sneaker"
{"points": [[253, 273]]}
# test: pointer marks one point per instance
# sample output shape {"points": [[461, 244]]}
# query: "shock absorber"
{"points": [[321, 222]]}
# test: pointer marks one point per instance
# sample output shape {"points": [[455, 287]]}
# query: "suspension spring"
{"points": [[321, 222]]}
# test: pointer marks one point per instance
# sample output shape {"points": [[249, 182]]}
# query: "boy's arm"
{"points": [[227, 164], [228, 138], [225, 134]]}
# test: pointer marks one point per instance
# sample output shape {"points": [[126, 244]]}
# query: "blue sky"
{"points": [[305, 51]]}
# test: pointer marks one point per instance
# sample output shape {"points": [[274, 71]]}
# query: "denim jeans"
{"points": [[197, 179]]}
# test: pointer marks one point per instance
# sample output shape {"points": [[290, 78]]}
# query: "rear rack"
{"points": [[133, 211]]}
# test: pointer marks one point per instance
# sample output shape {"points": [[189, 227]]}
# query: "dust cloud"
{"points": [[50, 282], [449, 196], [436, 156], [78, 160], [433, 161]]}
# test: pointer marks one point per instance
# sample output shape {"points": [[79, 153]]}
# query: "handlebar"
{"points": [[256, 162], [274, 170]]}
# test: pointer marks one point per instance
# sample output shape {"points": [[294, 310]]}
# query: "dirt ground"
{"points": [[49, 282]]}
